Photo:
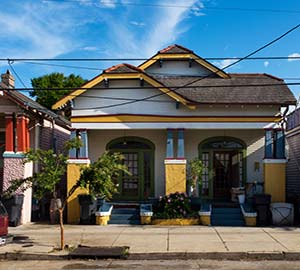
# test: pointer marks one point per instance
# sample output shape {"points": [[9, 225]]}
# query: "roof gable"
{"points": [[123, 71], [177, 52]]}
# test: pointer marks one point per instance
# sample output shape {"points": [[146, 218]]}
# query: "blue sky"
{"points": [[129, 29]]}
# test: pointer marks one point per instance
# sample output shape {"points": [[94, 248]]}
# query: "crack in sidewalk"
{"points": [[118, 236], [220, 237], [275, 239]]}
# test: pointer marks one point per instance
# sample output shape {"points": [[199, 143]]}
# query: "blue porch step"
{"points": [[125, 215], [227, 216]]}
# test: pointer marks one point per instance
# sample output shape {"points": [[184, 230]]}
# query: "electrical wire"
{"points": [[173, 88], [16, 74], [25, 60], [192, 8]]}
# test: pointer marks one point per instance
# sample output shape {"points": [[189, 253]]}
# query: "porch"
{"points": [[158, 158]]}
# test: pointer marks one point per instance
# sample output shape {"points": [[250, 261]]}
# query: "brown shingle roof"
{"points": [[175, 49], [239, 89], [123, 68]]}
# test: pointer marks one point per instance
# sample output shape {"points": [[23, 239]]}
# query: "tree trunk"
{"points": [[61, 225]]}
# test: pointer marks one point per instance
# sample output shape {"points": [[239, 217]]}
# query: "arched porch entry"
{"points": [[224, 161], [139, 158]]}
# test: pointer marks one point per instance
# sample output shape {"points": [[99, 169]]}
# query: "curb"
{"points": [[229, 256]]}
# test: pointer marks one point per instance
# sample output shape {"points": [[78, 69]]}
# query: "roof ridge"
{"points": [[115, 67], [255, 74], [174, 46]]}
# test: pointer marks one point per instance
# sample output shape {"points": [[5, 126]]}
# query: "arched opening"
{"points": [[139, 158], [224, 162]]}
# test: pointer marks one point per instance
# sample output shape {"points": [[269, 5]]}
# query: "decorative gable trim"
{"points": [[133, 75], [184, 56]]}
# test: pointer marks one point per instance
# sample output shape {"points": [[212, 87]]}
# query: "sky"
{"points": [[139, 28]]}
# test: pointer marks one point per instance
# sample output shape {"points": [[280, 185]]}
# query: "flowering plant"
{"points": [[174, 205]]}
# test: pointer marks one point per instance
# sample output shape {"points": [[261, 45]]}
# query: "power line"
{"points": [[25, 60], [192, 8], [214, 73], [64, 66], [173, 87], [16, 74]]}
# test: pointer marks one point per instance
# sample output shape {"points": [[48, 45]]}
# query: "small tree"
{"points": [[194, 171], [97, 178]]}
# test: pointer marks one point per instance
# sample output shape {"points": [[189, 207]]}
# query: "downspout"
{"points": [[36, 142]]}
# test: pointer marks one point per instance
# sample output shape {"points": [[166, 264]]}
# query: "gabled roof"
{"points": [[239, 89], [123, 68], [177, 52], [175, 49], [122, 71], [29, 104]]}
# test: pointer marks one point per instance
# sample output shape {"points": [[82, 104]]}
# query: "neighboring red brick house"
{"points": [[25, 124]]}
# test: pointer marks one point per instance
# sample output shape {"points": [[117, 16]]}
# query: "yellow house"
{"points": [[172, 108]]}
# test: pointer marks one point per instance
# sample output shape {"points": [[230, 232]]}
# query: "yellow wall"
{"points": [[274, 177], [175, 177], [73, 173]]}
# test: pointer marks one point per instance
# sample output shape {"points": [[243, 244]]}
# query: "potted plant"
{"points": [[194, 172]]}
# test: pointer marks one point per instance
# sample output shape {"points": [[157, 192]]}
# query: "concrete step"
{"points": [[124, 217], [124, 221], [125, 211], [226, 210], [222, 216]]}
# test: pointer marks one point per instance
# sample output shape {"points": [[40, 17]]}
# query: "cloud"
{"points": [[266, 63], [224, 63], [139, 24], [166, 26], [27, 34], [89, 48], [293, 55]]}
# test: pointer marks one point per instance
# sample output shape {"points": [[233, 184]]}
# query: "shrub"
{"points": [[174, 205]]}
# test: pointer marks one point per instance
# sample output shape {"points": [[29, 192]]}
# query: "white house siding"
{"points": [[94, 102], [254, 139], [180, 68]]}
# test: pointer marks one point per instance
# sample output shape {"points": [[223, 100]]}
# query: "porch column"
{"points": [[83, 152], [175, 167], [180, 146], [9, 133], [72, 152], [275, 164], [78, 158], [170, 144], [21, 133]]}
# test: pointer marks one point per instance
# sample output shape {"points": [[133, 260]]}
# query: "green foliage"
{"points": [[99, 177], [54, 80], [52, 167], [174, 205], [194, 171]]}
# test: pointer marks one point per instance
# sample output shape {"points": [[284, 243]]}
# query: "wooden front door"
{"points": [[221, 167], [130, 184]]}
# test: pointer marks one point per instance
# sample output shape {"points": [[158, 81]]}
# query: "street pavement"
{"points": [[149, 264], [143, 241]]}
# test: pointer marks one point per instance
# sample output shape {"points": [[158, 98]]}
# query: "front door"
{"points": [[226, 172], [131, 184], [221, 169]]}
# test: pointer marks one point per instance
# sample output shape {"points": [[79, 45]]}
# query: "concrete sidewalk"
{"points": [[42, 239]]}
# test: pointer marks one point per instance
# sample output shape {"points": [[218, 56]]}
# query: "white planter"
{"points": [[282, 214], [241, 198]]}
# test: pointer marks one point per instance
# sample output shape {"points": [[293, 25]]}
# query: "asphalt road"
{"points": [[149, 264]]}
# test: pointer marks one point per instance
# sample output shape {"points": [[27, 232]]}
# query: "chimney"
{"points": [[8, 80]]}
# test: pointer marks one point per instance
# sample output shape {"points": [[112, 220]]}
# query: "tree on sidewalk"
{"points": [[97, 178]]}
